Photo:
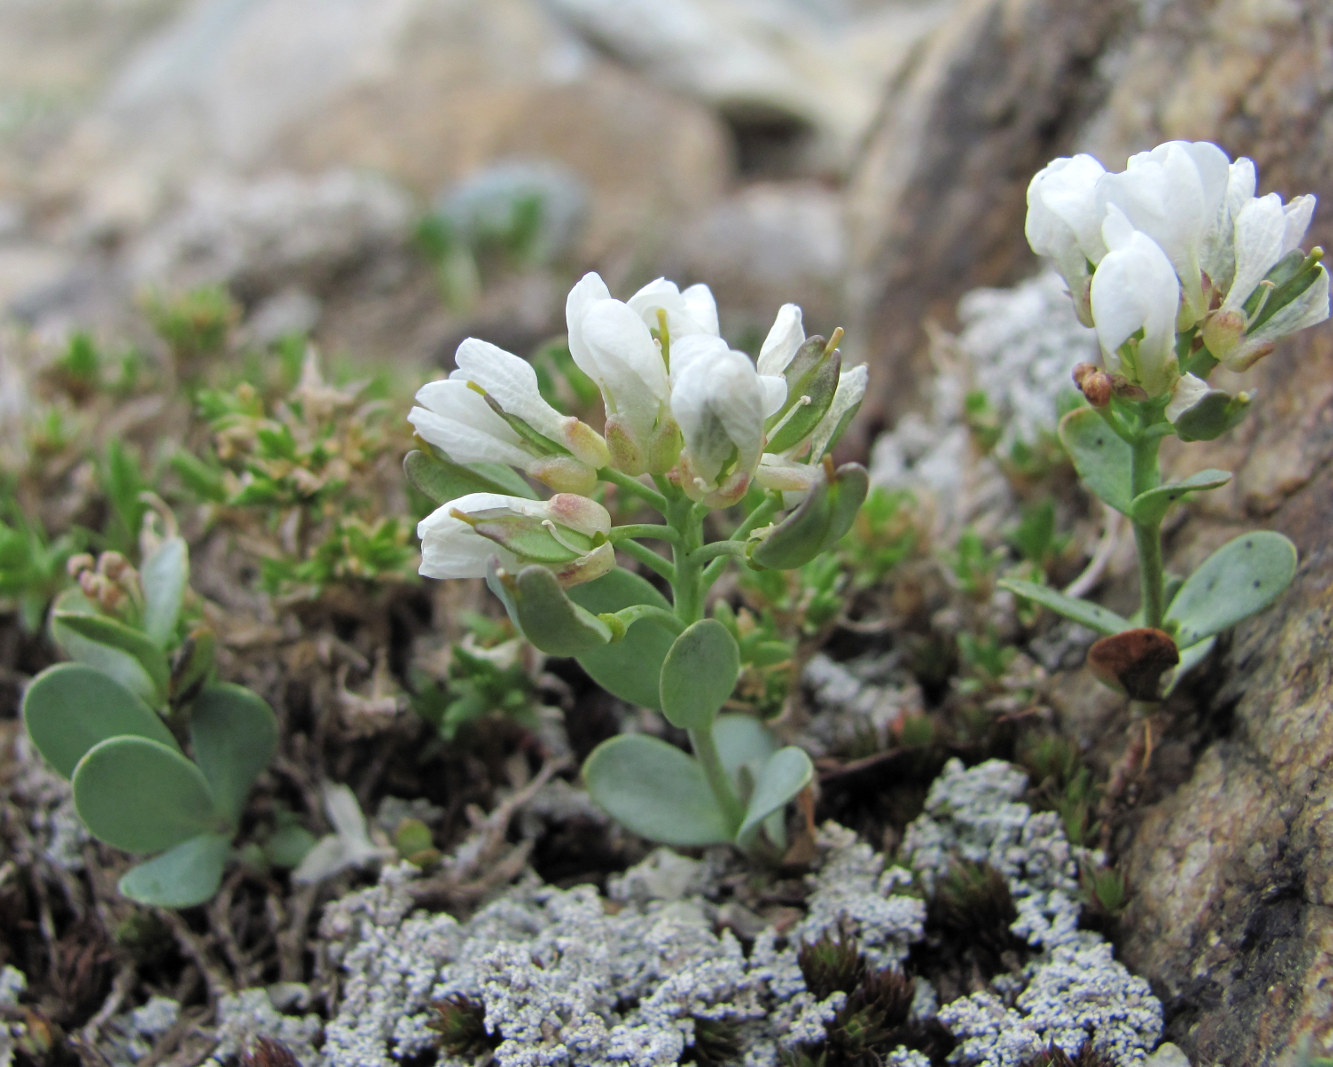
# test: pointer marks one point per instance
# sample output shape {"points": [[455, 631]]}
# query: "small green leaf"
{"points": [[743, 742], [811, 375], [441, 479], [114, 648], [1189, 659], [631, 667], [655, 791], [234, 733], [1100, 456], [164, 577], [1150, 507], [699, 674], [1212, 415], [142, 796], [1240, 579], [817, 523], [183, 876], [786, 773], [544, 614], [71, 707], [1083, 612]]}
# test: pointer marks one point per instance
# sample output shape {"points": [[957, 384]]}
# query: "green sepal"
{"points": [[234, 734], [785, 774], [699, 674], [529, 539], [1084, 612], [441, 479], [110, 646], [142, 796], [164, 576], [71, 707], [1212, 415], [1101, 457], [817, 523], [656, 791], [1149, 508], [538, 606], [1240, 579], [631, 668], [181, 877], [808, 374]]}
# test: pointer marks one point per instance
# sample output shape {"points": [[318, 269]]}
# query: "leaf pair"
{"points": [[661, 793], [133, 786]]}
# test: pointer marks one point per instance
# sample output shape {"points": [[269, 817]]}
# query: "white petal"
{"points": [[458, 421], [511, 382], [626, 363], [1135, 288], [1298, 215], [1187, 392], [701, 307], [691, 312], [1260, 232], [718, 403], [774, 392], [785, 336], [589, 289]]}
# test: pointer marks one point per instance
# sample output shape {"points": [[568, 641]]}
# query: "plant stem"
{"points": [[687, 586], [1144, 475], [634, 487], [761, 514], [705, 751], [643, 529], [649, 559]]}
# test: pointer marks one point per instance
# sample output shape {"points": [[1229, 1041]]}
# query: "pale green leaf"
{"points": [[699, 674], [181, 877], [1240, 579]]}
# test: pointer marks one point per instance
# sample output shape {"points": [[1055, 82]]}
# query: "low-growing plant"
{"points": [[1179, 268], [112, 722], [692, 427]]}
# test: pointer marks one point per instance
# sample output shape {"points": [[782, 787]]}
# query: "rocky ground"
{"points": [[867, 160]]}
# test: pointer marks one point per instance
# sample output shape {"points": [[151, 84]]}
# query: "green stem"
{"points": [[649, 559], [687, 587], [705, 751], [760, 515], [643, 529], [632, 614], [1144, 475], [633, 486], [716, 550]]}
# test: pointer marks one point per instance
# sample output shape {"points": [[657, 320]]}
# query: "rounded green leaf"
{"points": [[631, 667], [1150, 507], [234, 733], [544, 614], [442, 480], [655, 790], [699, 674], [112, 647], [71, 707], [1101, 457], [164, 577], [141, 796], [1240, 579], [744, 744], [786, 773], [181, 877]]}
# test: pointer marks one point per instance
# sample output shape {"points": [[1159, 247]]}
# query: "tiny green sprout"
{"points": [[1162, 334], [974, 567], [717, 1042], [1104, 890], [972, 903], [831, 965], [32, 564], [887, 531], [694, 431], [460, 1022], [413, 842], [486, 676], [102, 722], [195, 324], [873, 1014]]}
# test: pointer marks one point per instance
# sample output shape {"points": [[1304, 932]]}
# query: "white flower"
{"points": [[611, 343], [1135, 288], [785, 337], [517, 427], [689, 312], [1176, 195], [719, 403], [566, 533], [1064, 222]]}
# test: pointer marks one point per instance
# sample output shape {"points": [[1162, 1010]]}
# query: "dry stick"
{"points": [[126, 975], [1092, 573], [290, 927], [219, 919], [193, 947]]}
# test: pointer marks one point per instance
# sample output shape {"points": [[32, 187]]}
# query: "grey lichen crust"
{"points": [[1074, 991], [572, 977]]}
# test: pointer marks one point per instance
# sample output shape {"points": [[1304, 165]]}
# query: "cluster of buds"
{"points": [[109, 581], [680, 404], [1178, 266]]}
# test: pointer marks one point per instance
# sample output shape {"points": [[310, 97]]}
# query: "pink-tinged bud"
{"points": [[585, 443], [1224, 332], [564, 474], [1098, 388], [626, 455]]}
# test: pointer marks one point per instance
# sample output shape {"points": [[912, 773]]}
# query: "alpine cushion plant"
{"points": [[692, 427], [1179, 268]]}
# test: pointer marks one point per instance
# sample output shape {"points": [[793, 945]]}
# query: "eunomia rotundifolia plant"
{"points": [[1179, 268], [693, 428], [112, 722]]}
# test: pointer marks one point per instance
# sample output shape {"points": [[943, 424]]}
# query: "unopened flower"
{"points": [[1135, 296], [720, 404], [566, 533], [611, 343], [686, 312], [1064, 222], [489, 410]]}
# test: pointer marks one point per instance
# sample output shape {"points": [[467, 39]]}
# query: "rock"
{"points": [[1230, 870]]}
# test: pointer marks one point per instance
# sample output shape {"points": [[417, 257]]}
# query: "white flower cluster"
{"points": [[680, 402], [1177, 245]]}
